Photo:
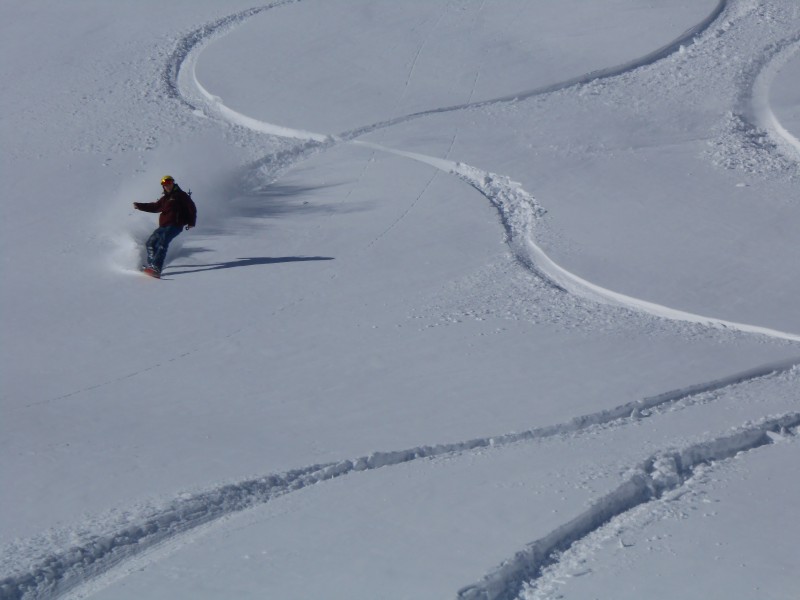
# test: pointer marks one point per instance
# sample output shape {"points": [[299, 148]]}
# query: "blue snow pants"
{"points": [[158, 243]]}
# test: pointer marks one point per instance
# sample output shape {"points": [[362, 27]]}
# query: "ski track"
{"points": [[59, 573], [518, 209], [764, 117], [685, 38], [660, 473], [199, 37]]}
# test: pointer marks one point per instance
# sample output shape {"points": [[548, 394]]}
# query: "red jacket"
{"points": [[176, 208]]}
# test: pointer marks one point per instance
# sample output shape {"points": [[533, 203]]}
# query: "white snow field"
{"points": [[488, 299]]}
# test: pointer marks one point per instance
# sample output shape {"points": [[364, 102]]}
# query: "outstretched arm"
{"points": [[151, 207]]}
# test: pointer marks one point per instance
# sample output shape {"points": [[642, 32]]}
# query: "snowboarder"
{"points": [[177, 211]]}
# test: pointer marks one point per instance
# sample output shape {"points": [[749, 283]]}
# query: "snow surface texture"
{"points": [[727, 61]]}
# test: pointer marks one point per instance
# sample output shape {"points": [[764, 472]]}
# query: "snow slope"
{"points": [[487, 299]]}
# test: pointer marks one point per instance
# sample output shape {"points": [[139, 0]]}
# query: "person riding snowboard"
{"points": [[177, 211]]}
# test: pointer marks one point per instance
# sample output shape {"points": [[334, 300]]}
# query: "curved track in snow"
{"points": [[518, 208], [59, 573], [763, 113], [687, 37], [658, 474], [181, 82], [519, 212]]}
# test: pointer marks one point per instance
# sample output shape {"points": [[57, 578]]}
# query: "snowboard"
{"points": [[151, 272]]}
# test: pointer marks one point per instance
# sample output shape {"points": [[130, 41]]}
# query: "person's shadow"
{"points": [[242, 262]]}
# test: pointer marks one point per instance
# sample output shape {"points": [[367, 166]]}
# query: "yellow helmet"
{"points": [[167, 178]]}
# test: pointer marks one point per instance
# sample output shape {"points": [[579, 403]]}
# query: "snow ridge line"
{"points": [[61, 572], [687, 37], [190, 44], [518, 209], [519, 212], [658, 474], [187, 44], [180, 74], [763, 115]]}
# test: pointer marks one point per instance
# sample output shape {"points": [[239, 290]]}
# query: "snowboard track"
{"points": [[59, 573], [191, 43], [687, 37], [519, 212], [506, 581], [199, 37], [660, 473], [755, 101]]}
